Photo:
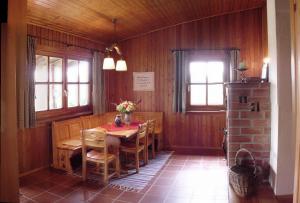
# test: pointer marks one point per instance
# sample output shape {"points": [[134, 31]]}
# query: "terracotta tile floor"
{"points": [[199, 179]]}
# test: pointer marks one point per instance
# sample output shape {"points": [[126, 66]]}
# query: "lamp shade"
{"points": [[108, 63], [121, 65]]}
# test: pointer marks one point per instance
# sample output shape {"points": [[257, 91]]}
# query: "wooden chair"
{"points": [[151, 138], [96, 140], [138, 146]]}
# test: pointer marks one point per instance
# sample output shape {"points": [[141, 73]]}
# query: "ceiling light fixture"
{"points": [[109, 63]]}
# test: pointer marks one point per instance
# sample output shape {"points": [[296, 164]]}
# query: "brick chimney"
{"points": [[248, 122]]}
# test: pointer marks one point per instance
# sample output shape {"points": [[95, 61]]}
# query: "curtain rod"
{"points": [[65, 43], [218, 49]]}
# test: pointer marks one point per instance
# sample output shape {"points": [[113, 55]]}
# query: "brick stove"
{"points": [[248, 122]]}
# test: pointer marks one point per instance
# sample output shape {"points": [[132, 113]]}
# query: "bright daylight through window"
{"points": [[59, 86], [206, 83]]}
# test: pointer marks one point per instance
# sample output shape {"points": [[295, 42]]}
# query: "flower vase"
{"points": [[127, 118]]}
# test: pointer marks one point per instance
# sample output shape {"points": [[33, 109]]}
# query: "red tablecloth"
{"points": [[113, 127]]}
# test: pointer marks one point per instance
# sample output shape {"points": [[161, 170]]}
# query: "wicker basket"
{"points": [[242, 177]]}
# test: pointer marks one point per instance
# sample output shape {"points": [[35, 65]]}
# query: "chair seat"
{"points": [[99, 157], [131, 147]]}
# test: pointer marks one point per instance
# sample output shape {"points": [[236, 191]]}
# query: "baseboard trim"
{"points": [[285, 198], [195, 150], [32, 171]]}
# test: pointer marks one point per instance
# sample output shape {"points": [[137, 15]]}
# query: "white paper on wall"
{"points": [[143, 81]]}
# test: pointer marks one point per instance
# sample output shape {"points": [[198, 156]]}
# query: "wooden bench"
{"points": [[66, 141], [66, 135]]}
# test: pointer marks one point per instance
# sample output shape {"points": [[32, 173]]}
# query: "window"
{"points": [[206, 85], [61, 83]]}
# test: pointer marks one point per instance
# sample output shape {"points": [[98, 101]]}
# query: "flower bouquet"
{"points": [[126, 108]]}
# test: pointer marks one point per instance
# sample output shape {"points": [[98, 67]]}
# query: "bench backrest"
{"points": [[91, 121], [144, 116], [67, 129]]}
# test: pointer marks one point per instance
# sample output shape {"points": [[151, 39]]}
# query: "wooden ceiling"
{"points": [[93, 18]]}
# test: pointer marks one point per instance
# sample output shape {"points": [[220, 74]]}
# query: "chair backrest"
{"points": [[151, 127], [142, 133], [144, 116], [94, 139]]}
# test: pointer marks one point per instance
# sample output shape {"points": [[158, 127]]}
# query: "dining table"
{"points": [[114, 136]]}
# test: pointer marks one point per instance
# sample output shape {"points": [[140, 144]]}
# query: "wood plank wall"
{"points": [[193, 132], [35, 143]]}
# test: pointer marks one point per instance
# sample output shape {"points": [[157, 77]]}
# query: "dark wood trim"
{"points": [[48, 117], [285, 198], [196, 150], [68, 33], [13, 61]]}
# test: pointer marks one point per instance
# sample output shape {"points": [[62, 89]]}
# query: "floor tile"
{"points": [[201, 179], [164, 181], [46, 197], [78, 196], [101, 199], [130, 197], [177, 200], [61, 190], [111, 192], [152, 199], [46, 185], [161, 191], [31, 191]]}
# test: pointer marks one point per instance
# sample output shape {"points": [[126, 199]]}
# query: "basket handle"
{"points": [[245, 150]]}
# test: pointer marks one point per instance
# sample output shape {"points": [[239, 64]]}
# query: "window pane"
{"points": [[215, 94], [72, 72], [55, 97], [41, 71], [84, 94], [83, 71], [198, 94], [72, 95], [198, 72], [55, 69], [215, 71], [41, 97]]}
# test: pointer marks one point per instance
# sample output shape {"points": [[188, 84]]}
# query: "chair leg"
{"points": [[158, 141], [105, 173], [145, 155], [126, 158], [137, 162], [153, 149], [84, 170], [118, 166]]}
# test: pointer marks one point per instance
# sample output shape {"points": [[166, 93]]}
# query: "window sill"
{"points": [[47, 117]]}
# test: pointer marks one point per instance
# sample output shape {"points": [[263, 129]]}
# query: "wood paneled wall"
{"points": [[35, 143], [191, 132]]}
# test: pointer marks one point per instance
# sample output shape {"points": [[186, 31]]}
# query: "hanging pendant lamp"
{"points": [[109, 63]]}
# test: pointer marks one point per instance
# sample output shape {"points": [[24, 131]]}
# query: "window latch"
{"points": [[66, 93]]}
